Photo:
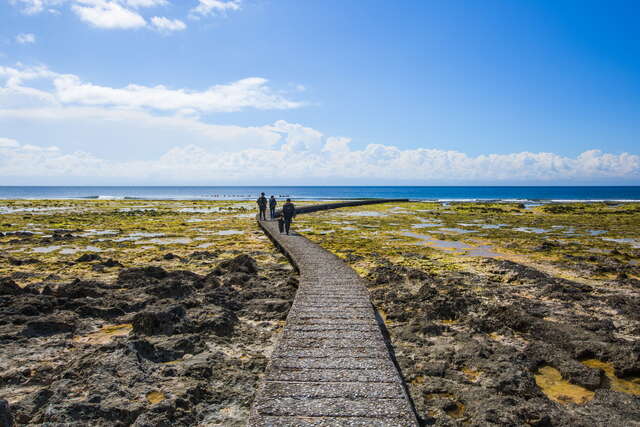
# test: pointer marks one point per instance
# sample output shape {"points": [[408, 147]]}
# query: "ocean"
{"points": [[444, 193]]}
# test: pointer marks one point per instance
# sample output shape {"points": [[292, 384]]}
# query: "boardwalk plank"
{"points": [[331, 366]]}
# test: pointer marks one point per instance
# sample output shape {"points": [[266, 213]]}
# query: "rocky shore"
{"points": [[117, 313], [151, 348], [510, 345]]}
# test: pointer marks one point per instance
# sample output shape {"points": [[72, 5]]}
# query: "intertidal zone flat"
{"points": [[149, 312]]}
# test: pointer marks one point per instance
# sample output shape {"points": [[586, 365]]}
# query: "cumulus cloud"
{"points": [[8, 142], [125, 14], [146, 3], [31, 7], [168, 25], [107, 14], [26, 38], [208, 7], [332, 160], [69, 89], [155, 134]]}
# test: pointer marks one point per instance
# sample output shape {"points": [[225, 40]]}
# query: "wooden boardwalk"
{"points": [[331, 366]]}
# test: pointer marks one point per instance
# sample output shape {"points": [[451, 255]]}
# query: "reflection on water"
{"points": [[426, 225], [166, 241], [363, 213], [70, 251], [455, 230], [531, 230], [633, 242], [46, 249], [229, 232], [92, 232], [468, 250]]}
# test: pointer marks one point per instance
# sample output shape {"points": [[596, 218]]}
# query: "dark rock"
{"points": [[170, 256], [80, 289], [166, 349], [163, 322], [237, 279], [111, 263], [216, 320], [6, 419], [9, 287], [47, 326], [240, 264], [204, 255], [22, 275], [138, 277], [89, 258], [18, 262]]}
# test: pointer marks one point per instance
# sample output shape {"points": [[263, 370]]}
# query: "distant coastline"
{"points": [[544, 194]]}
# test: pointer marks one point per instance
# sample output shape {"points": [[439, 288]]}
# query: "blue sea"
{"points": [[452, 193]]}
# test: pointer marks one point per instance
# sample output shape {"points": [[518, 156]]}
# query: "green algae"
{"points": [[133, 232], [566, 247]]}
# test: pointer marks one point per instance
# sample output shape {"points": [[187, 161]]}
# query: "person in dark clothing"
{"points": [[272, 206], [262, 206], [288, 212]]}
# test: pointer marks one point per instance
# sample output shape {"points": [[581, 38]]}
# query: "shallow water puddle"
{"points": [[555, 388], [635, 243], [205, 245], [630, 385], [71, 251], [105, 334], [455, 230], [531, 230], [92, 232], [143, 234], [426, 225], [468, 250], [166, 241], [46, 249], [229, 232], [363, 213], [202, 210]]}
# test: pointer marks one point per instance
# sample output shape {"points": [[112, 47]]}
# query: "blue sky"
{"points": [[319, 92]]}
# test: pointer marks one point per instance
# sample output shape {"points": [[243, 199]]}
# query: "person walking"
{"points": [[288, 212], [262, 206], [272, 206]]}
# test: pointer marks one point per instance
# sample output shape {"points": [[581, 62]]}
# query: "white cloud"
{"points": [[124, 14], [31, 7], [69, 89], [8, 142], [25, 38], [107, 14], [374, 163], [167, 25], [155, 134], [208, 7], [146, 3]]}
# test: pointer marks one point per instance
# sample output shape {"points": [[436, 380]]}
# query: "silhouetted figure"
{"points": [[288, 212], [262, 206], [272, 206]]}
